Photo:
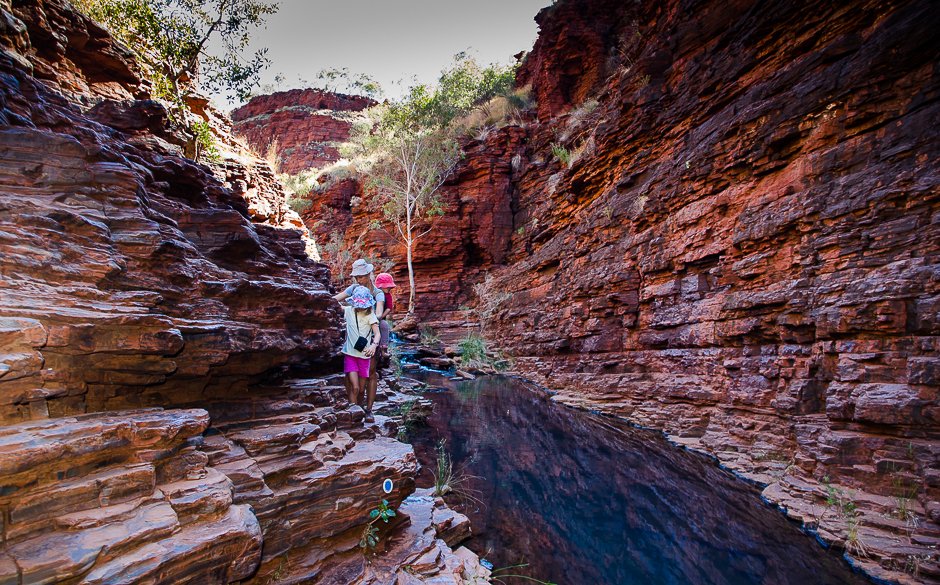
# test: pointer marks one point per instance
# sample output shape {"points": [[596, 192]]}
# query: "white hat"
{"points": [[361, 268]]}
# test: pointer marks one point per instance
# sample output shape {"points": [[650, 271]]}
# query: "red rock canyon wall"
{"points": [[302, 129], [742, 252]]}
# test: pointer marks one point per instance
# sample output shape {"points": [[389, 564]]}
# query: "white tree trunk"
{"points": [[411, 279]]}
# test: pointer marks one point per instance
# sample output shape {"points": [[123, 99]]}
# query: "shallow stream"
{"points": [[590, 500]]}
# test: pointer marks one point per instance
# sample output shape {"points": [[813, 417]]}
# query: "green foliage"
{"points": [[395, 356], [475, 353], [903, 493], [854, 544], [498, 575], [839, 500], [298, 203], [413, 414], [206, 148], [561, 153], [171, 38], [409, 147], [342, 81], [369, 536], [447, 480]]}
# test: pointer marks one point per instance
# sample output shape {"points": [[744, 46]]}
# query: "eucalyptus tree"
{"points": [[409, 147]]}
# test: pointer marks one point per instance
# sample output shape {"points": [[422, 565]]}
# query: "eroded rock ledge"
{"points": [[129, 275], [743, 251], [276, 487]]}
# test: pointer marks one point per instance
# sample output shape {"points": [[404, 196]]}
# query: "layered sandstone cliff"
{"points": [[742, 252], [299, 129], [149, 307]]}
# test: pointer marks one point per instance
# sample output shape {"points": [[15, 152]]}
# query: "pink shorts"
{"points": [[355, 364]]}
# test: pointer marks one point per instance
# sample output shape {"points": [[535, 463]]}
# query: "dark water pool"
{"points": [[589, 500]]}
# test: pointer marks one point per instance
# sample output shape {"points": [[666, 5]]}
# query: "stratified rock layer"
{"points": [[130, 276], [743, 251], [299, 129], [170, 295]]}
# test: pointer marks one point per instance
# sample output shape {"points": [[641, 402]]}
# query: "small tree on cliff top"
{"points": [[410, 147]]}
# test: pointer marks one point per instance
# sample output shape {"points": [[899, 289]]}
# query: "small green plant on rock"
{"points": [[840, 501], [854, 545], [206, 149], [369, 536], [413, 414], [281, 569], [394, 356], [561, 153], [903, 495], [429, 336], [498, 575], [447, 480]]}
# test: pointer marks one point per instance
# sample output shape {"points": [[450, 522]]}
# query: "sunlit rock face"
{"points": [[742, 251], [131, 276], [300, 129], [745, 232]]}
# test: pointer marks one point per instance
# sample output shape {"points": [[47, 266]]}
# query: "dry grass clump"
{"points": [[319, 179], [502, 110]]}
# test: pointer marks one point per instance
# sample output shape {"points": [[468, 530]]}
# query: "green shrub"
{"points": [[476, 353], [561, 153], [206, 149], [413, 414], [299, 204]]}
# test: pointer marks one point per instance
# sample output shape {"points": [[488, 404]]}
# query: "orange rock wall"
{"points": [[149, 309], [300, 128]]}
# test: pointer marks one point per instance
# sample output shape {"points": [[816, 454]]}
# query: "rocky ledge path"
{"points": [[263, 489]]}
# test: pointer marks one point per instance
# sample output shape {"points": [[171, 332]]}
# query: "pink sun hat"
{"points": [[384, 280]]}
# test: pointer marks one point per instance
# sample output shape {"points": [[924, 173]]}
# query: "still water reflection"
{"points": [[588, 500]]}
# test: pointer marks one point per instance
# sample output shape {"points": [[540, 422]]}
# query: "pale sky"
{"points": [[392, 39]]}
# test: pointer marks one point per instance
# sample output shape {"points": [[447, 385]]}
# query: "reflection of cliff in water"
{"points": [[589, 500]]}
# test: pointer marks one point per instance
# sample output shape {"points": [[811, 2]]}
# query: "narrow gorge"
{"points": [[719, 220]]}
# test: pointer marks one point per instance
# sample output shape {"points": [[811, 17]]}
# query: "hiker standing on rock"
{"points": [[362, 339], [364, 275]]}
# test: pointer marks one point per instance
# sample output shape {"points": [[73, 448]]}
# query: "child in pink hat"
{"points": [[385, 283]]}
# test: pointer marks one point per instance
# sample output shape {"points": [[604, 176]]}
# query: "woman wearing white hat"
{"points": [[364, 275]]}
